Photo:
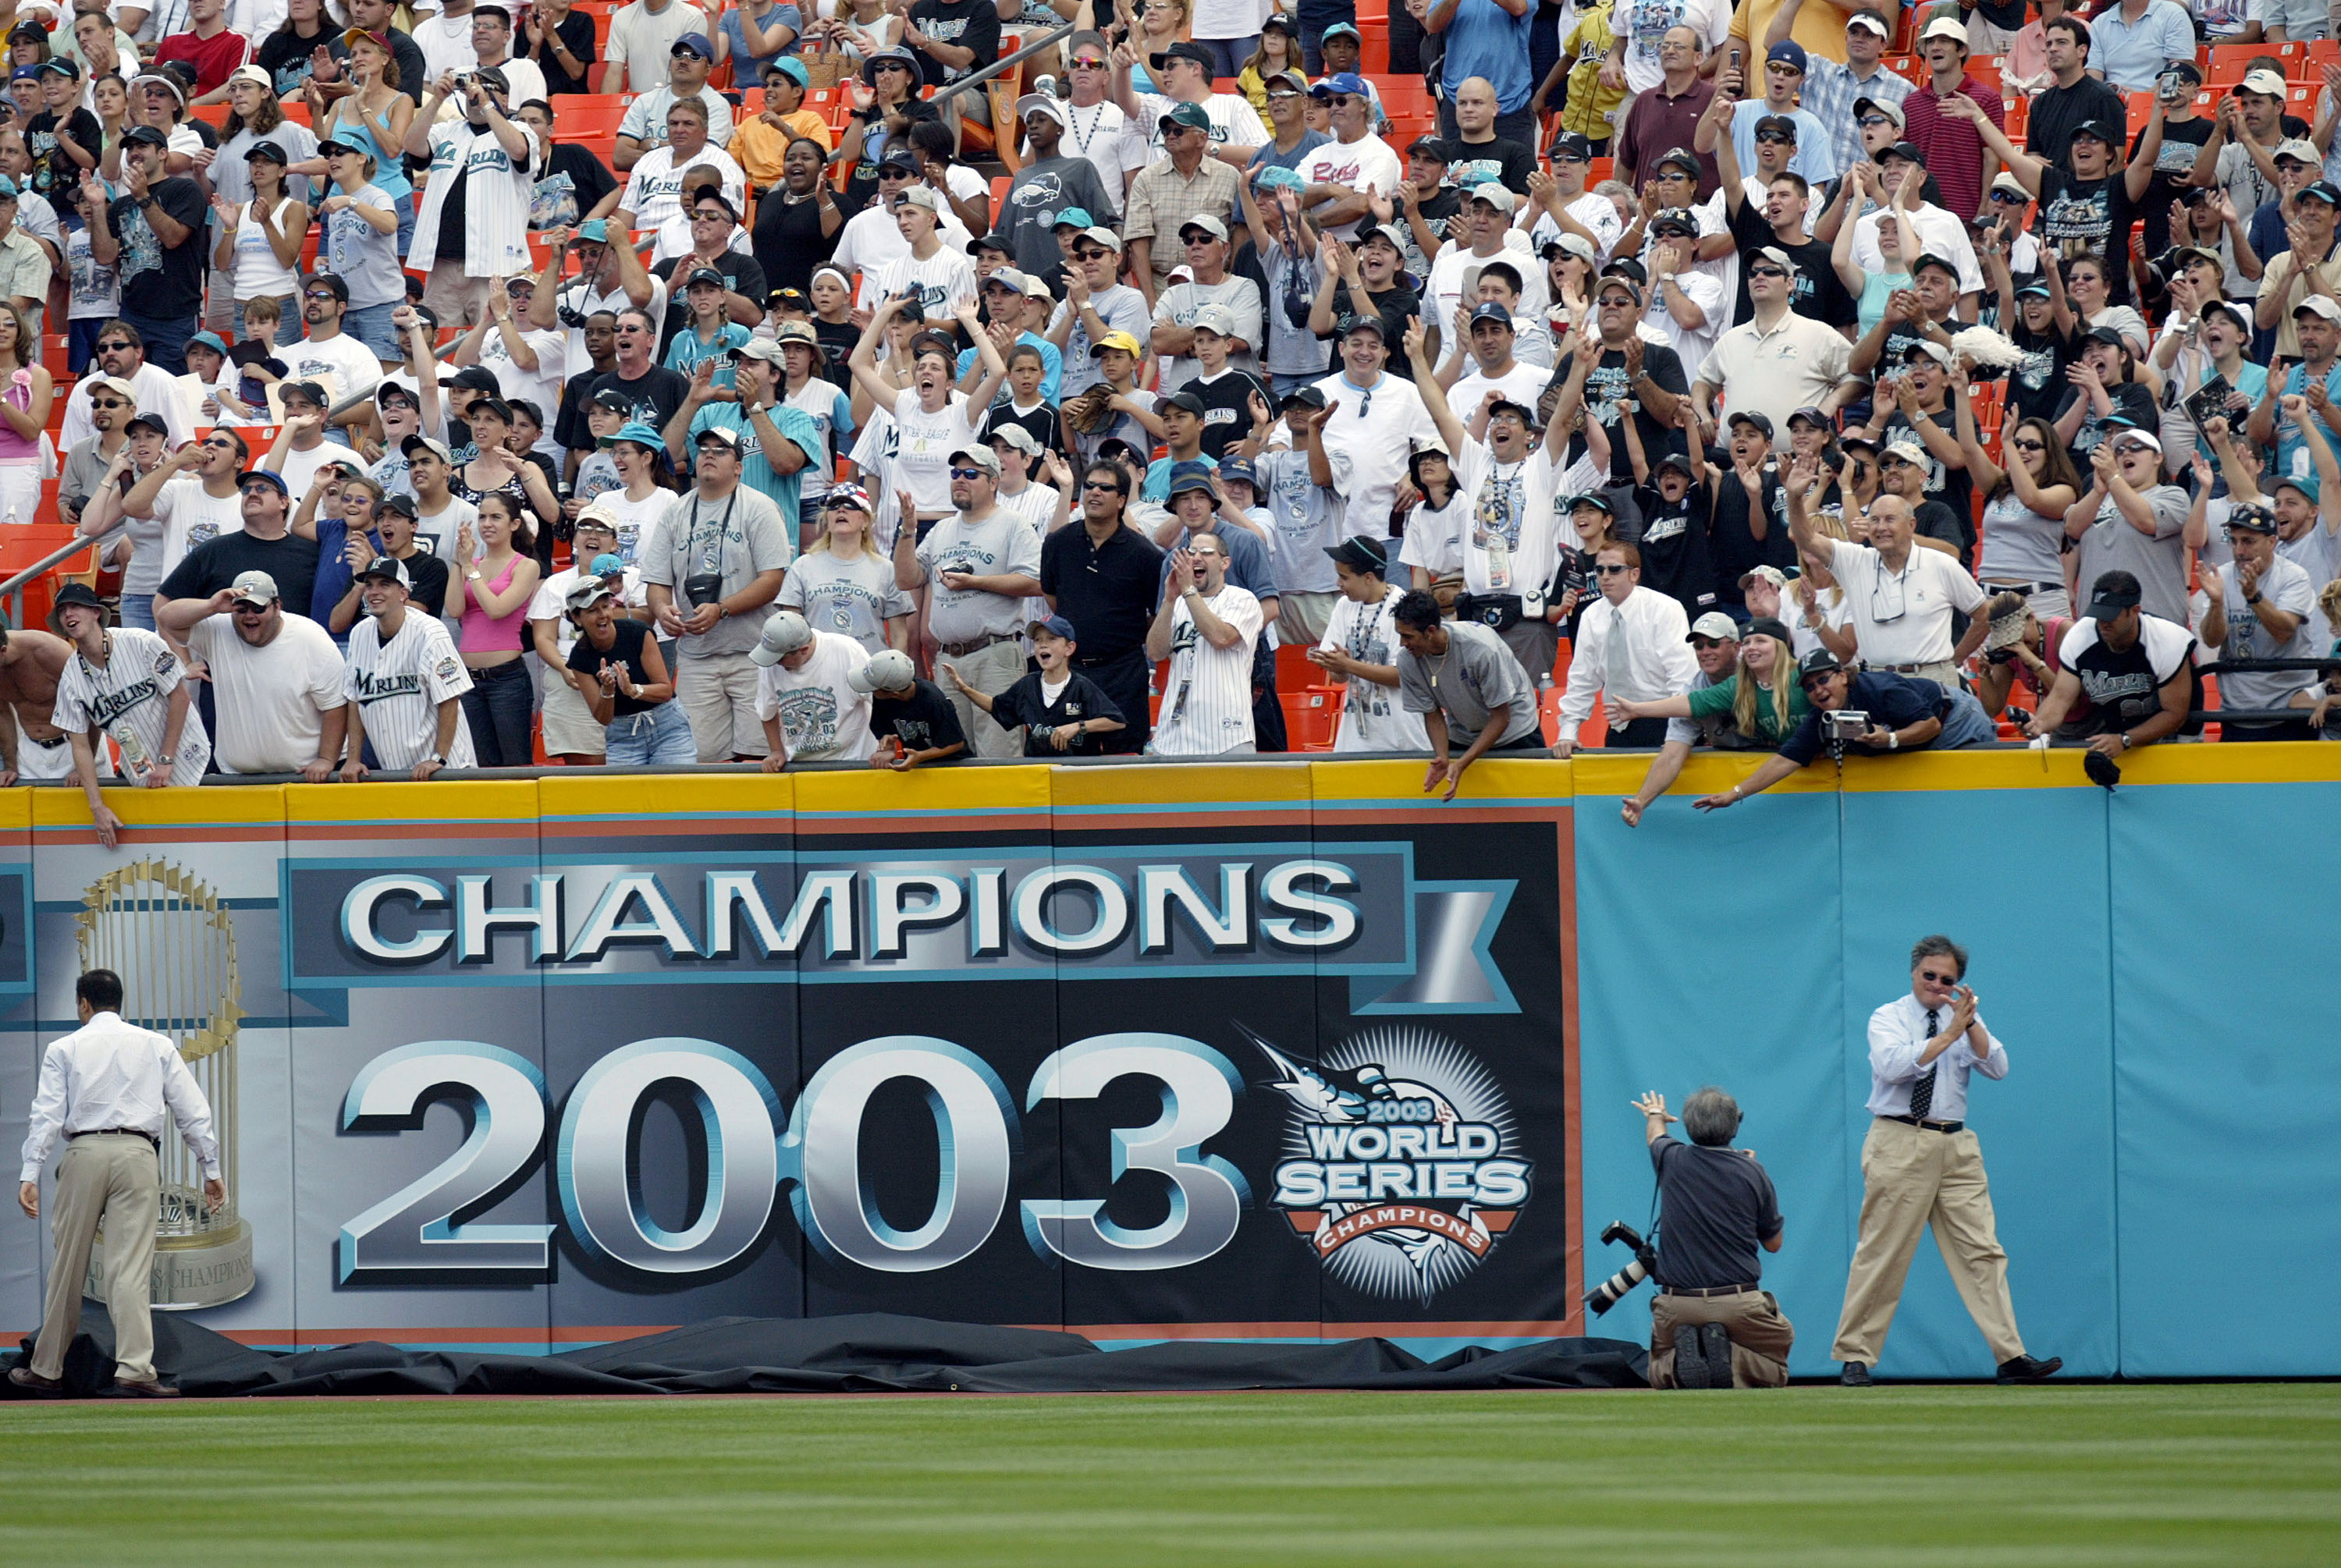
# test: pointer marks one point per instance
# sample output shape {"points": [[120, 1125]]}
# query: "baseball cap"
{"points": [[1186, 117], [2110, 131], [1527, 415], [1574, 146], [1786, 52], [1343, 83], [2251, 517], [691, 44], [1782, 123], [475, 378], [1679, 461], [925, 196], [1592, 497], [1715, 624], [2318, 306], [1340, 30], [1032, 104], [1075, 218], [1354, 323], [1818, 661], [2113, 592], [254, 587], [1906, 151], [1216, 319], [1305, 396], [2108, 336], [1055, 626], [1182, 50], [1931, 349], [722, 435], [1949, 27], [706, 275], [1213, 225], [1892, 110], [1680, 219], [389, 568], [1489, 311], [1495, 194], [1359, 553], [1749, 416], [1121, 341], [154, 421], [2266, 83], [785, 631], [1430, 146], [888, 670], [586, 592], [2319, 190], [117, 386], [979, 456], [851, 495], [2306, 483], [1295, 80], [1681, 158], [1765, 626], [1873, 20], [1811, 415], [1100, 234], [144, 136], [1391, 234], [791, 67], [2136, 432], [599, 513], [1907, 450], [1771, 574], [1014, 436]]}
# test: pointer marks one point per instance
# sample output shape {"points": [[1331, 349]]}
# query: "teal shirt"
{"points": [[756, 469], [1714, 702], [686, 349]]}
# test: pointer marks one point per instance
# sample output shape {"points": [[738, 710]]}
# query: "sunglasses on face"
{"points": [[1706, 644], [1571, 158], [107, 403], [1870, 120], [1932, 979], [2009, 197], [215, 445], [115, 346], [1611, 569], [1894, 462], [2131, 449], [1776, 136], [2030, 445], [967, 473], [1766, 272], [1096, 485], [1089, 64]]}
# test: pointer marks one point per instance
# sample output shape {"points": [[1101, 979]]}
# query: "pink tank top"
{"points": [[14, 447], [484, 633]]}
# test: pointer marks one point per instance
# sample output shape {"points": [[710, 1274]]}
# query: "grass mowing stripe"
{"points": [[2134, 1475]]}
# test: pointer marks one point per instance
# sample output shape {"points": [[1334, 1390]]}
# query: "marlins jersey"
{"points": [[398, 686], [1207, 706], [129, 698]]}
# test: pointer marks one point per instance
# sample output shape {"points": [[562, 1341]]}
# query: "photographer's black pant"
{"points": [[1760, 1336]]}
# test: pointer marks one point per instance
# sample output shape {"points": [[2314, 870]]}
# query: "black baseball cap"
{"points": [[1359, 553], [2114, 592], [1762, 422], [1820, 661]]}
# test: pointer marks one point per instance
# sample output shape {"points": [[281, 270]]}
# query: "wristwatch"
{"points": [[438, 759]]}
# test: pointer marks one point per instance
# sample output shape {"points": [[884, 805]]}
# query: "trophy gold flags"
{"points": [[174, 944]]}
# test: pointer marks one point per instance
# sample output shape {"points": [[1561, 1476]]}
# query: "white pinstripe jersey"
{"points": [[129, 698], [1206, 703], [399, 685]]}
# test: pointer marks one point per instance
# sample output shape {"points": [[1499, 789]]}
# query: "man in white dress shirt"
{"points": [[1900, 597], [1920, 1166], [1633, 642], [108, 1086]]}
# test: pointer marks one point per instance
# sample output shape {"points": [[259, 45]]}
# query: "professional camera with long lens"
{"points": [[1612, 1291]]}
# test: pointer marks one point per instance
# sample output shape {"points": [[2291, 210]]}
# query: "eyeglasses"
{"points": [[1767, 272], [970, 473], [1611, 568], [107, 403], [1932, 979]]}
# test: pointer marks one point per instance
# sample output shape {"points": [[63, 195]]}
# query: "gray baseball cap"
{"points": [[784, 633], [254, 587], [888, 670]]}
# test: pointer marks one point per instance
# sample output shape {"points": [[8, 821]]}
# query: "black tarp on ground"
{"points": [[872, 1353]]}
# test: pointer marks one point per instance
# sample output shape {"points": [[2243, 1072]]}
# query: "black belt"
{"points": [[1708, 1292], [1930, 1127], [123, 1133], [1900, 668], [962, 649], [2026, 587], [46, 745]]}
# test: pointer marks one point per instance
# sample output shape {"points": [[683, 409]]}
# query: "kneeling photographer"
{"points": [[1712, 1323]]}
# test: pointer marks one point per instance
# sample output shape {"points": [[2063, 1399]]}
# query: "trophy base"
{"points": [[189, 1272]]}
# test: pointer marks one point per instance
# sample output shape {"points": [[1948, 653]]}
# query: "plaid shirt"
{"points": [[1830, 91]]}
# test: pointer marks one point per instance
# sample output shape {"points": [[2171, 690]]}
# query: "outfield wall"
{"points": [[524, 1065]]}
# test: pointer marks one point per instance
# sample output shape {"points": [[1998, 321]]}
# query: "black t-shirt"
{"points": [[739, 271], [2181, 139], [920, 722], [1953, 488], [1816, 291], [1892, 702], [1025, 703], [576, 30], [413, 74], [2124, 688], [290, 58], [2131, 402], [1732, 545], [1674, 547], [216, 564], [1606, 392], [789, 242], [587, 661], [1042, 423], [1398, 307], [962, 24], [166, 280], [1507, 160], [52, 169], [2037, 386], [659, 396], [454, 217], [837, 341], [573, 182], [2089, 215], [2056, 113], [1109, 592], [426, 580], [1716, 1207], [1227, 404], [863, 182]]}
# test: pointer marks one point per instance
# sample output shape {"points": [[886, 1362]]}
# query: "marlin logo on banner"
{"points": [[1402, 1166], [1409, 946]]}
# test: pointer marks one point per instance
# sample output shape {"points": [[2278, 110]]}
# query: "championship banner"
{"points": [[1273, 1051]]}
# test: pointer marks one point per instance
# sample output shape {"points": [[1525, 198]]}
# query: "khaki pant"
{"points": [[990, 670], [1911, 1178], [569, 726], [456, 299], [1302, 618], [117, 1178], [1760, 1336], [718, 694]]}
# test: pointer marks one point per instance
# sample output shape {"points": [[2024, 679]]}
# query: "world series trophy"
{"points": [[173, 942]]}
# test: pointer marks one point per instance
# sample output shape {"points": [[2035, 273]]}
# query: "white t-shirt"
{"points": [[823, 719], [1455, 272], [1522, 384], [129, 698], [436, 534], [1376, 427], [635, 518], [540, 386], [640, 40], [398, 687], [1905, 617], [1234, 123], [191, 516], [550, 603], [942, 280], [1206, 702], [1372, 717], [1643, 23], [270, 701], [1365, 164], [923, 445], [300, 469], [872, 238]]}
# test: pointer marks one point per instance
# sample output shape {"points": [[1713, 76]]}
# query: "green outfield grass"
{"points": [[2243, 1474]]}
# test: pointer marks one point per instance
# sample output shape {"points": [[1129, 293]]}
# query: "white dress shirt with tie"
{"points": [[1638, 650], [110, 1074], [1898, 1033]]}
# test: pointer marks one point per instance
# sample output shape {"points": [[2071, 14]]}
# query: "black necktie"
{"points": [[1922, 1093]]}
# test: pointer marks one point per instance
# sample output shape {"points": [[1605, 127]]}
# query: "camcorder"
{"points": [[1645, 1262], [1844, 724]]}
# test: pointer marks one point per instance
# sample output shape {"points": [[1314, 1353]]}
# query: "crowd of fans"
{"points": [[421, 436]]}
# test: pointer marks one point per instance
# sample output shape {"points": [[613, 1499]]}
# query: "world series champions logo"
{"points": [[1401, 1167]]}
